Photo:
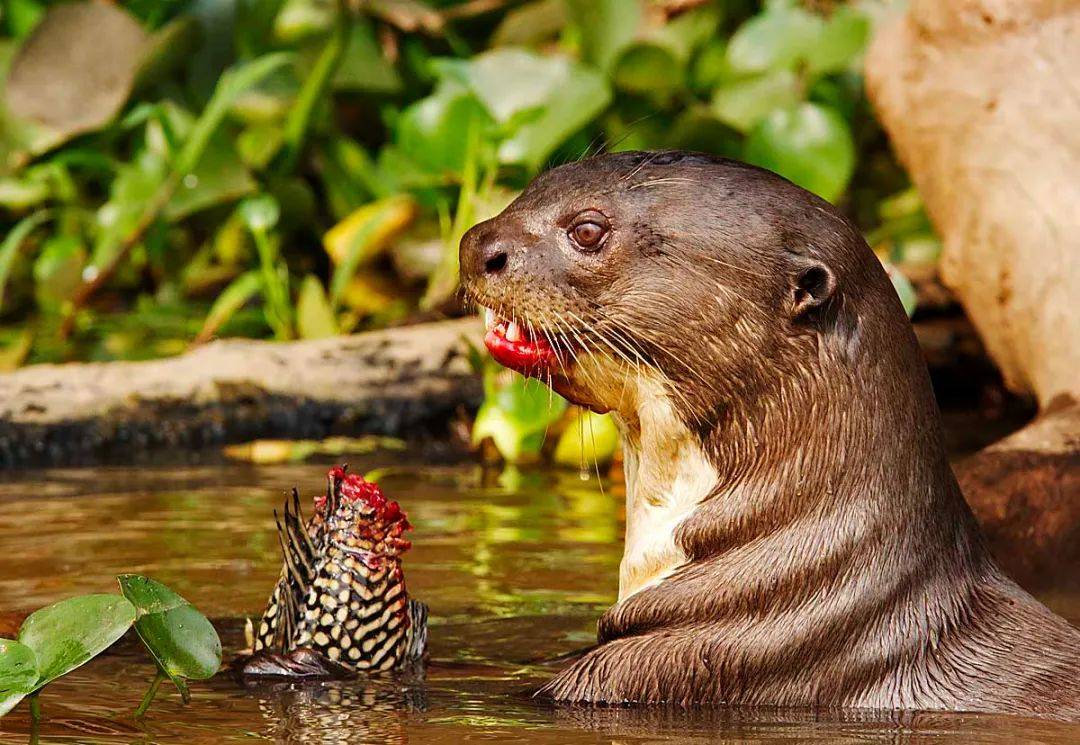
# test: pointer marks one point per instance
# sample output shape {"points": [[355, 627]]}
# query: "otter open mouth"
{"points": [[518, 346]]}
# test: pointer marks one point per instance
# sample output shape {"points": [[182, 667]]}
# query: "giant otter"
{"points": [[794, 532]]}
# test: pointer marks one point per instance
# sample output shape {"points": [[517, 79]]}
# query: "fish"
{"points": [[340, 604]]}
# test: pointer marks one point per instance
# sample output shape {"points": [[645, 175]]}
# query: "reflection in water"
{"points": [[516, 568], [338, 712]]}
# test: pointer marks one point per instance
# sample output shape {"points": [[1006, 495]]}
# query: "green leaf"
{"points": [[908, 298], [233, 82], [777, 39], [67, 634], [258, 144], [605, 27], [810, 145], [516, 414], [118, 218], [743, 103], [181, 639], [12, 242], [58, 270], [646, 67], [232, 298], [840, 43], [314, 317], [22, 193], [531, 23], [364, 67], [539, 101], [18, 673], [434, 132], [220, 177], [589, 438]]}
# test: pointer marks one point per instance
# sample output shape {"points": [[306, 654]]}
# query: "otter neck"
{"points": [[753, 521], [667, 475]]}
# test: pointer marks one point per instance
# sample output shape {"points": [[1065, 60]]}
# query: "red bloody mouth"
{"points": [[518, 346]]}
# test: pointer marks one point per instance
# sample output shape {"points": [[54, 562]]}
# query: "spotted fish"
{"points": [[342, 590]]}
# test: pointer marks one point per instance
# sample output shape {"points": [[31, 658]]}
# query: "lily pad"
{"points": [[18, 673], [66, 635], [181, 639]]}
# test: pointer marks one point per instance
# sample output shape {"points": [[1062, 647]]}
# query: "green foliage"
{"points": [[516, 414], [70, 633], [181, 640], [57, 639], [279, 168], [306, 168]]}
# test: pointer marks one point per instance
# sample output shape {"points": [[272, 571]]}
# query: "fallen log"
{"points": [[405, 381]]}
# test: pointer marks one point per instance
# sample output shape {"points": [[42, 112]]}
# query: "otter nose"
{"points": [[494, 257], [483, 253]]}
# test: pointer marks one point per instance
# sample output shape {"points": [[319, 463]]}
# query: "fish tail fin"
{"points": [[417, 635]]}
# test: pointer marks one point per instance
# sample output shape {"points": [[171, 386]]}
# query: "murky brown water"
{"points": [[515, 569]]}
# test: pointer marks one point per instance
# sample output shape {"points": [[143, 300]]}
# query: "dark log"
{"points": [[405, 382]]}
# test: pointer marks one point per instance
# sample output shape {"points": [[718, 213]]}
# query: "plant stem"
{"points": [[35, 717], [299, 119], [148, 697]]}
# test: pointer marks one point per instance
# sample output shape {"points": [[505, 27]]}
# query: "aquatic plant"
{"points": [[56, 639], [304, 168]]}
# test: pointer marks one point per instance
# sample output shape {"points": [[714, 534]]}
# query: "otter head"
{"points": [[706, 277], [740, 329]]}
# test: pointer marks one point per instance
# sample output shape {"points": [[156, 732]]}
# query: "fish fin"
{"points": [[417, 636]]}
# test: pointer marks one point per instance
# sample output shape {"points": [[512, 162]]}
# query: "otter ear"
{"points": [[812, 284]]}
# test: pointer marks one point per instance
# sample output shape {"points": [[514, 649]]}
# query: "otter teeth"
{"points": [[489, 319], [513, 332]]}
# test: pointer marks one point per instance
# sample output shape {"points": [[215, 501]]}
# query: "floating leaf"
{"points": [[314, 317], [589, 439], [809, 144], [18, 673], [181, 639], [67, 634], [743, 103]]}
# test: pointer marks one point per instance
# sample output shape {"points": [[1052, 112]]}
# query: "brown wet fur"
{"points": [[835, 562]]}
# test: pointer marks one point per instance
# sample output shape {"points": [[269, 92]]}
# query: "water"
{"points": [[515, 568]]}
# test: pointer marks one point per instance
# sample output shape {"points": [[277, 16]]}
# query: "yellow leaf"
{"points": [[381, 221], [368, 293]]}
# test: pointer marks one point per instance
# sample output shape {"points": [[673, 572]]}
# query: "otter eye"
{"points": [[589, 230]]}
